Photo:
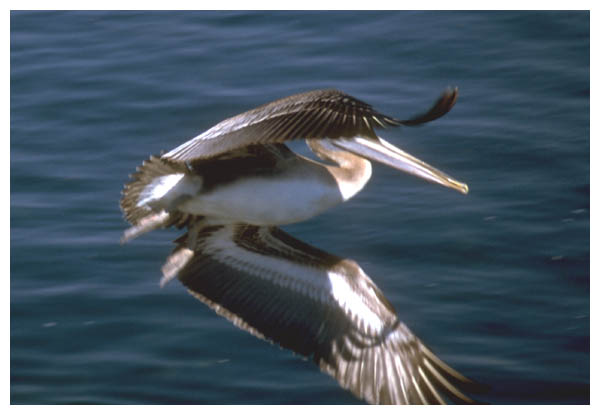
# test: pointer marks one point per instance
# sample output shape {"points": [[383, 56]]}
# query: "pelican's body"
{"points": [[232, 185], [295, 187]]}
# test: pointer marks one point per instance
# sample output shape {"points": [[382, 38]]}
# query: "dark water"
{"points": [[496, 282]]}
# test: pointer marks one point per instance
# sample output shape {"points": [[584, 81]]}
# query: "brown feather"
{"points": [[310, 115]]}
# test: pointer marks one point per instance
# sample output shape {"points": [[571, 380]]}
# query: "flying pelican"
{"points": [[232, 185]]}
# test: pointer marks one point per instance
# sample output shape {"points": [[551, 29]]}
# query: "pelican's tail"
{"points": [[149, 199]]}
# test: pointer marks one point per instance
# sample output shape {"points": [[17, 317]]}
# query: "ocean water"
{"points": [[497, 282]]}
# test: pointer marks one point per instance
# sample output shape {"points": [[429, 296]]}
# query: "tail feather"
{"points": [[138, 213]]}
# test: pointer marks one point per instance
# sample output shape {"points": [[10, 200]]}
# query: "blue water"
{"points": [[497, 282]]}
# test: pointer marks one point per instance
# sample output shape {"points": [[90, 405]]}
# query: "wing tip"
{"points": [[451, 380], [441, 107]]}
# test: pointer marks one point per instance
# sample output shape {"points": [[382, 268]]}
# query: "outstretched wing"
{"points": [[309, 115], [318, 305]]}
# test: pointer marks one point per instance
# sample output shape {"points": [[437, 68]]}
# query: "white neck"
{"points": [[351, 172]]}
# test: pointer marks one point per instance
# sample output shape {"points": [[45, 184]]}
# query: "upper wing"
{"points": [[315, 114], [316, 304]]}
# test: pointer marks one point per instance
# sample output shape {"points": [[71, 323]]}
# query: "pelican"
{"points": [[233, 185]]}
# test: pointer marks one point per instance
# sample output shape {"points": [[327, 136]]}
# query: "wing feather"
{"points": [[310, 115], [281, 290]]}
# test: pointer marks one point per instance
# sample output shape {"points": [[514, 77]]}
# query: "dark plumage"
{"points": [[305, 313], [316, 114]]}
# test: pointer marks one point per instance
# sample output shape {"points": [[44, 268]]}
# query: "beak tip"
{"points": [[459, 186]]}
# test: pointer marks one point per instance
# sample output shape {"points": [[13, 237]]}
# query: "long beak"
{"points": [[390, 155]]}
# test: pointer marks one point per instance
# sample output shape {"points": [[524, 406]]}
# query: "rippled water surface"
{"points": [[496, 282]]}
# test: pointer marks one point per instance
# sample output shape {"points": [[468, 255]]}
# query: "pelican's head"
{"points": [[383, 152]]}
